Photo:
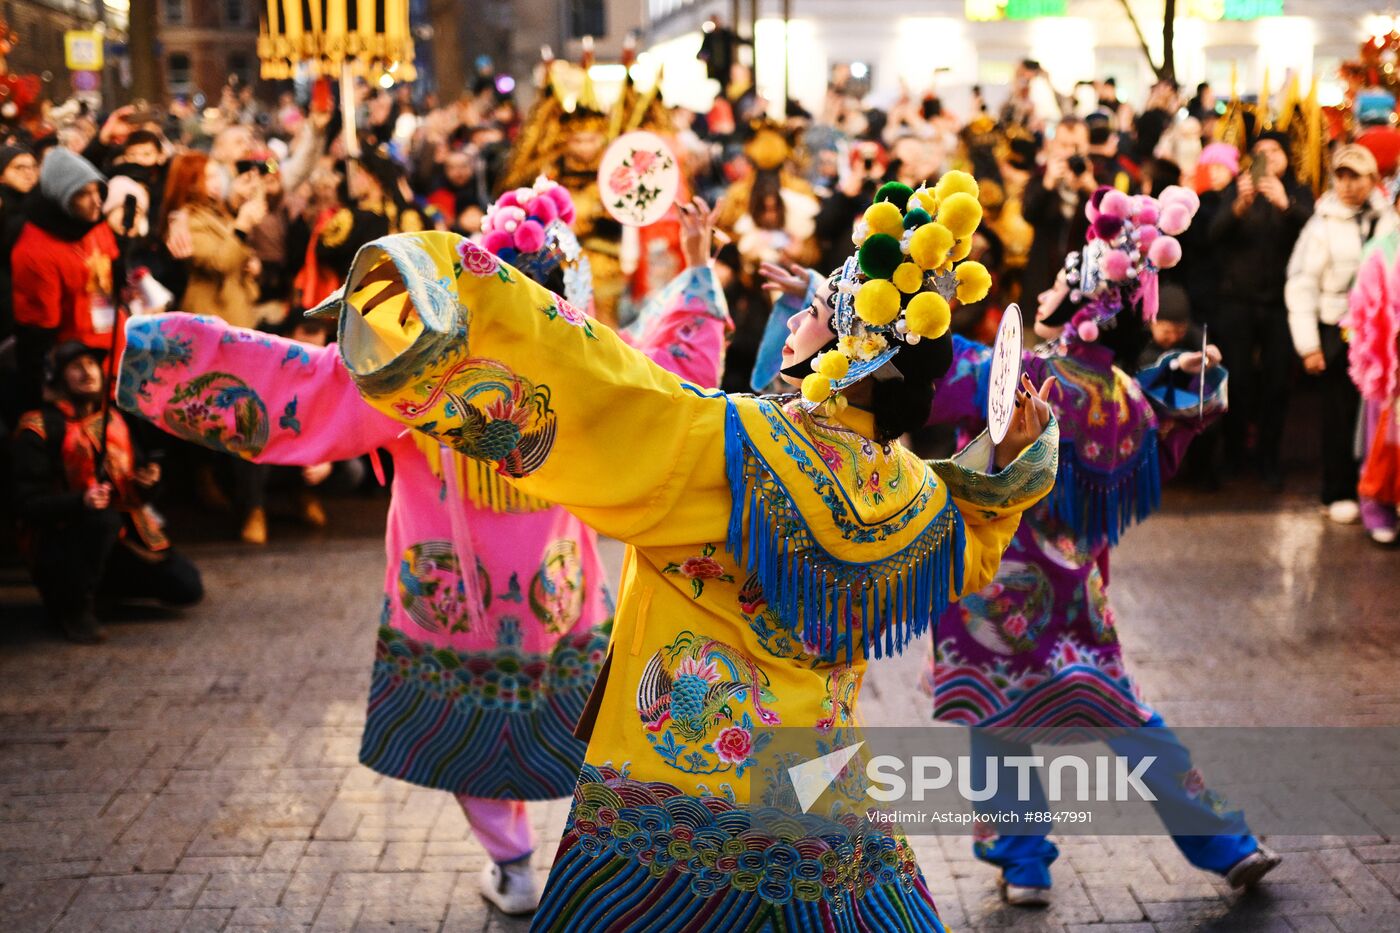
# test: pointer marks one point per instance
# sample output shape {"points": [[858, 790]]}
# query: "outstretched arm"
{"points": [[261, 397], [443, 337]]}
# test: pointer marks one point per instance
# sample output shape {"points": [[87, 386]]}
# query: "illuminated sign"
{"points": [[82, 50], [1252, 9], [987, 11], [1216, 10]]}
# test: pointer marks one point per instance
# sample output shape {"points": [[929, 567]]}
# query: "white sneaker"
{"points": [[511, 888], [1344, 512], [1251, 869], [1383, 535], [1020, 896]]}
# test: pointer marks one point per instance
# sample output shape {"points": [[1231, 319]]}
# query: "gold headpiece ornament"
{"points": [[909, 267]]}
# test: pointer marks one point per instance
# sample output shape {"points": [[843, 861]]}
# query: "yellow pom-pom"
{"points": [[928, 315], [833, 365], [877, 302], [926, 199], [884, 218], [961, 249], [908, 278], [955, 182], [960, 213], [816, 388], [930, 244], [974, 281]]}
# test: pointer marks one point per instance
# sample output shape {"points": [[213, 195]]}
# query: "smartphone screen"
{"points": [[321, 97]]}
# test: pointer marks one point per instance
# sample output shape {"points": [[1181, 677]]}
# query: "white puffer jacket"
{"points": [[1324, 263]]}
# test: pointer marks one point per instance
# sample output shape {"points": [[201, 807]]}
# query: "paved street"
{"points": [[199, 772]]}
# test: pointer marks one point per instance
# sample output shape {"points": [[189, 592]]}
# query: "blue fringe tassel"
{"points": [[820, 597], [1098, 507]]}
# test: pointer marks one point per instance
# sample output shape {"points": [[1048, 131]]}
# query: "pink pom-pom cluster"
{"points": [[518, 220], [1139, 234], [1141, 231]]}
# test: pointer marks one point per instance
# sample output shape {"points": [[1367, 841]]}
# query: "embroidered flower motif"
{"points": [[1092, 450], [559, 309], [1016, 626], [1194, 783], [622, 180], [734, 745], [700, 569], [1126, 447], [476, 260]]}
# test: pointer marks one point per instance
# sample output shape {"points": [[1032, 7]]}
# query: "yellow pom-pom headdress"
{"points": [[909, 267]]}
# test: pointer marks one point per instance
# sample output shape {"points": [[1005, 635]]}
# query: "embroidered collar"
{"points": [[842, 532]]}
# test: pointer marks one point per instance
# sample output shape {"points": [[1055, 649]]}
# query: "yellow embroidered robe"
{"points": [[771, 553]]}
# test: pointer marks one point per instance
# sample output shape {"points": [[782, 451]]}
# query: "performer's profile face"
{"points": [[808, 331]]}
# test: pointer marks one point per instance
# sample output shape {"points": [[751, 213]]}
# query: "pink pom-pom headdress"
{"points": [[1130, 240], [530, 228]]}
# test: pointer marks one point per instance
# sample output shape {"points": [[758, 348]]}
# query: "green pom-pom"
{"points": [[879, 256], [917, 217], [897, 193]]}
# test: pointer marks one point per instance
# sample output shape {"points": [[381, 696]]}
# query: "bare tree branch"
{"points": [[1142, 40], [1168, 70]]}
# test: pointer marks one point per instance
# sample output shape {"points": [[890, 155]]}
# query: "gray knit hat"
{"points": [[65, 173]]}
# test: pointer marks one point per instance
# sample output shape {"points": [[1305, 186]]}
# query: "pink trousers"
{"points": [[501, 826]]}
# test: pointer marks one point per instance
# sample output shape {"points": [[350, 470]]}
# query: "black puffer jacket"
{"points": [[1254, 246]]}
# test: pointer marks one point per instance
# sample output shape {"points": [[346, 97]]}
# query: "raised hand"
{"points": [[697, 232], [791, 279], [1191, 363], [1032, 415]]}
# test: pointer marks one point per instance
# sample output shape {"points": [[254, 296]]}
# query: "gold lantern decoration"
{"points": [[364, 38]]}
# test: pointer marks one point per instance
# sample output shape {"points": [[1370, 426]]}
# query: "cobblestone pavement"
{"points": [[199, 772]]}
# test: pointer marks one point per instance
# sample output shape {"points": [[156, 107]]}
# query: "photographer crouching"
{"points": [[81, 491]]}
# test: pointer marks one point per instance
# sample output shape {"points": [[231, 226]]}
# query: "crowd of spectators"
{"points": [[252, 210]]}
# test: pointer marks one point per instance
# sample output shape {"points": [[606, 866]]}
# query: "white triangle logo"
{"points": [[811, 778]]}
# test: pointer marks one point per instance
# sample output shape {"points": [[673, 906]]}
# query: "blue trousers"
{"points": [[1025, 859]]}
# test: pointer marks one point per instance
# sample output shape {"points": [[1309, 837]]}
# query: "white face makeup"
{"points": [[808, 331]]}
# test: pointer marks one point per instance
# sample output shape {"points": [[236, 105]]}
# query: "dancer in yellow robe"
{"points": [[775, 546]]}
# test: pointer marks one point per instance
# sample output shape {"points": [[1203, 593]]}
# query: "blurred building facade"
{"points": [[948, 46]]}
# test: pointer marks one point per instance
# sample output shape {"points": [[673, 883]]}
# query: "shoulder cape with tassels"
{"points": [[843, 532], [1100, 505]]}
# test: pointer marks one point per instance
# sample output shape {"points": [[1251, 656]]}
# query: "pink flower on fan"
{"points": [[643, 160], [622, 180]]}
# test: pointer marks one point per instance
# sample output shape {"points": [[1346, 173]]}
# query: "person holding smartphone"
{"points": [[1260, 218], [1054, 203], [865, 168]]}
